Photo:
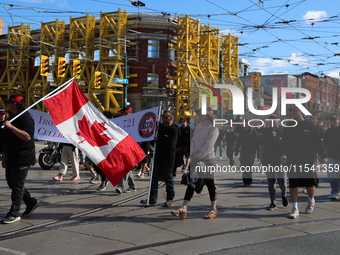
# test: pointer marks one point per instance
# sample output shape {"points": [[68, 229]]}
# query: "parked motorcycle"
{"points": [[49, 155]]}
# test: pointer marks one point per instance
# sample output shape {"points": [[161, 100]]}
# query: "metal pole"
{"points": [[154, 152], [125, 76], [245, 88], [221, 80], [48, 95]]}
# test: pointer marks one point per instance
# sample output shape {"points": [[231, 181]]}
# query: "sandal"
{"points": [[179, 213], [211, 215]]}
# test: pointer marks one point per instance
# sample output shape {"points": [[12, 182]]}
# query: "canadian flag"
{"points": [[109, 147]]}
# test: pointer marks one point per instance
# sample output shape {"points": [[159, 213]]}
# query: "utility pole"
{"points": [[245, 73], [221, 80], [125, 75]]}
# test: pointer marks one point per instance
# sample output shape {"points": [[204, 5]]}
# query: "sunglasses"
{"points": [[166, 116]]}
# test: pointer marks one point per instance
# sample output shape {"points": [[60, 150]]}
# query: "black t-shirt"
{"points": [[272, 146], [302, 143], [331, 141], [185, 136], [2, 137], [231, 138], [19, 152], [166, 144]]}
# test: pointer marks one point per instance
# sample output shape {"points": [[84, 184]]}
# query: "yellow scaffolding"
{"points": [[82, 35], [112, 45], [230, 66], [209, 57], [188, 65], [100, 47], [15, 79], [52, 45]]}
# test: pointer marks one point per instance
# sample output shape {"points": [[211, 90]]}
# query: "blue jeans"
{"points": [[219, 144], [162, 172], [281, 178], [333, 176]]}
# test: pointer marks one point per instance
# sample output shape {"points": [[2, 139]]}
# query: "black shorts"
{"points": [[303, 182], [186, 151]]}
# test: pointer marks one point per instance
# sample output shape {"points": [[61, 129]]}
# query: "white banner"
{"points": [[45, 128], [140, 125]]}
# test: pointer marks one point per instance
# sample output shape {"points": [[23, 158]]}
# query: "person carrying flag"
{"points": [[19, 155]]}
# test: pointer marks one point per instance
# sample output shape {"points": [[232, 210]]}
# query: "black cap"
{"points": [[182, 120]]}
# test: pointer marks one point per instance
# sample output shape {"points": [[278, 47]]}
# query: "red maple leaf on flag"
{"points": [[93, 135]]}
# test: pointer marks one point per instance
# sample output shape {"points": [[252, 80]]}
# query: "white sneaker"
{"points": [[304, 190], [294, 214], [310, 206], [221, 158]]}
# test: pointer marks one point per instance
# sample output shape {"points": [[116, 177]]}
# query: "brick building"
{"points": [[151, 60]]}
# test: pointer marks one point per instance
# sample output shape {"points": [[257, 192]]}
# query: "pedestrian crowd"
{"points": [[303, 146]]}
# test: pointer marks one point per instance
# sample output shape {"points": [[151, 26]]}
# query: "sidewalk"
{"points": [[74, 218]]}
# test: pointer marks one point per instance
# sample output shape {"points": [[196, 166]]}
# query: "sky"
{"points": [[275, 36]]}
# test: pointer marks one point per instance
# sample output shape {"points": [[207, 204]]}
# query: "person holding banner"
{"points": [[166, 142], [19, 155]]}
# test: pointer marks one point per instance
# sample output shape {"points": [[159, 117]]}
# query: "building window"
{"points": [[153, 49], [152, 80]]}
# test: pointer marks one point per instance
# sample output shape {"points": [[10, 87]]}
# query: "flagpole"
{"points": [[58, 88], [154, 152]]}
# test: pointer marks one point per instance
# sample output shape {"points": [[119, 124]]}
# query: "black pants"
{"points": [[16, 176], [230, 153], [102, 175], [211, 188]]}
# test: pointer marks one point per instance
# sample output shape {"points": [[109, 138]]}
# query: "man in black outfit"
{"points": [[231, 140], [19, 155], [185, 131], [300, 147], [166, 142]]}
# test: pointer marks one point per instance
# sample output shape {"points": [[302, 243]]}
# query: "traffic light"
{"points": [[61, 67], [97, 80], [255, 81], [76, 68], [44, 65]]}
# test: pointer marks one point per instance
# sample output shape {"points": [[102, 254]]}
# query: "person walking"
{"points": [[202, 150], [219, 141], [271, 140], [231, 140], [69, 152], [166, 142], [128, 178], [332, 143], [18, 156], [301, 144], [248, 146], [185, 132]]}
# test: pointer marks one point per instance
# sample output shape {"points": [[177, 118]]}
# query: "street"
{"points": [[74, 218]]}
